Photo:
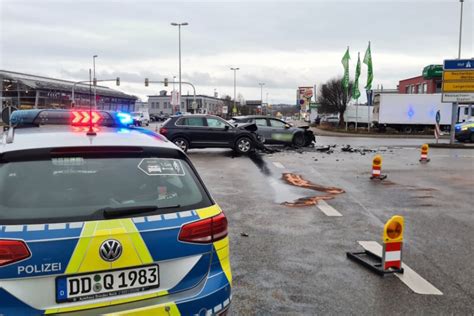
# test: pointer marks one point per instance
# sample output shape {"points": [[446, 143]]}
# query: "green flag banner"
{"points": [[355, 88], [368, 62], [345, 64]]}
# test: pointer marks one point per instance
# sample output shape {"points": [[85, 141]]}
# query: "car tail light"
{"points": [[163, 131], [205, 231], [82, 118], [12, 251]]}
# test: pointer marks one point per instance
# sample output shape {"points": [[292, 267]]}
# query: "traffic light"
{"points": [[118, 81], [146, 82], [94, 81], [166, 82]]}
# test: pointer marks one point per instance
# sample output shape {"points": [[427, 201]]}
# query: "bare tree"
{"points": [[332, 98]]}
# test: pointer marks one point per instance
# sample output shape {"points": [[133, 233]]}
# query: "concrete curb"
{"points": [[321, 132], [453, 146]]}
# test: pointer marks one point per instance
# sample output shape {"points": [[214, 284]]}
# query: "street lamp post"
{"points": [[95, 82], [235, 88], [261, 94], [179, 52], [454, 114]]}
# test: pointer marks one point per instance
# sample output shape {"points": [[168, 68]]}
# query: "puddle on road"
{"points": [[298, 181], [284, 194], [260, 163]]}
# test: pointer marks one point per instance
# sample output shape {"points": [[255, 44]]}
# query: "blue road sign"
{"points": [[438, 116], [459, 64]]}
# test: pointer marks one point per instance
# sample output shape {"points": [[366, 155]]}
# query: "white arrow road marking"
{"points": [[412, 279], [278, 165], [327, 209]]}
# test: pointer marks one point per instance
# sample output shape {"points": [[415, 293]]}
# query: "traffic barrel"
{"points": [[377, 168], [393, 243], [424, 153]]}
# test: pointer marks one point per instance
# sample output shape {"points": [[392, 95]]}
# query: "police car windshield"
{"points": [[76, 187]]}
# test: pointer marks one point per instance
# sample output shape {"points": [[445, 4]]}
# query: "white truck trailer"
{"points": [[410, 112]]}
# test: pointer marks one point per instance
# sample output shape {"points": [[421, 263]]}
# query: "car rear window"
{"points": [[76, 187]]}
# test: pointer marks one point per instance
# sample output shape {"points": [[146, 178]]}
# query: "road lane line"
{"points": [[327, 209], [278, 165], [412, 279]]}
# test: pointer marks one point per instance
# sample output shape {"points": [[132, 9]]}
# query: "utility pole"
{"points": [[454, 114], [261, 94], [95, 82], [179, 52], [235, 89]]}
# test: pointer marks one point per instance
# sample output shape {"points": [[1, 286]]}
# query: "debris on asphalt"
{"points": [[299, 181], [244, 234], [308, 201]]}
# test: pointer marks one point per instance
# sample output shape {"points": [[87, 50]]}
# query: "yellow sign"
{"points": [[458, 75], [466, 86], [377, 160], [393, 229]]}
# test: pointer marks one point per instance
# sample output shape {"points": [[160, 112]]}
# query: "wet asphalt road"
{"points": [[293, 261]]}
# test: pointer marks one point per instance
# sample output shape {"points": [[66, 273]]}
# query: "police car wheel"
{"points": [[181, 143]]}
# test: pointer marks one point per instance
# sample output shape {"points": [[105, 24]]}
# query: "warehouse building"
{"points": [[25, 91]]}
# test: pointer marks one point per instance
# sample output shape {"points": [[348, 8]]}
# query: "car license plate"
{"points": [[83, 287]]}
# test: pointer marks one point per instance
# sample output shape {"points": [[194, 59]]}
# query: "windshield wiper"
{"points": [[114, 212]]}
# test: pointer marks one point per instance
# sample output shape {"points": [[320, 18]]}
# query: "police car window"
{"points": [[261, 122], [76, 186]]}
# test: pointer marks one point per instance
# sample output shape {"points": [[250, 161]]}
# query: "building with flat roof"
{"points": [[25, 91], [161, 104]]}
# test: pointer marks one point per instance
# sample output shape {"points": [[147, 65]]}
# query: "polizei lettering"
{"points": [[40, 268]]}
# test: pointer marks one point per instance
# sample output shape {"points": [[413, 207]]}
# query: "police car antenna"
{"points": [[90, 132]]}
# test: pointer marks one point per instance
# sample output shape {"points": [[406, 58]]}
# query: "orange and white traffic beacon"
{"points": [[393, 244], [390, 260], [424, 153], [377, 168]]}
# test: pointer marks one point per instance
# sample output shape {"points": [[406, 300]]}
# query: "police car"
{"points": [[100, 218], [465, 131]]}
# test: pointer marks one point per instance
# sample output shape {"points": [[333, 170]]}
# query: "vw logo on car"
{"points": [[110, 250]]}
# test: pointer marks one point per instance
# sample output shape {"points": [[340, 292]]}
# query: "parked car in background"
{"points": [[203, 131], [330, 119], [141, 118], [275, 131], [465, 131]]}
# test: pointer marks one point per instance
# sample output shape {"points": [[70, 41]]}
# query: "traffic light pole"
{"points": [[73, 102], [173, 82]]}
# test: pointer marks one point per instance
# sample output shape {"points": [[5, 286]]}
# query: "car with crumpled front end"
{"points": [[276, 131]]}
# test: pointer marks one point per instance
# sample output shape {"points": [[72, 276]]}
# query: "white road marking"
{"points": [[327, 209], [278, 165], [412, 279]]}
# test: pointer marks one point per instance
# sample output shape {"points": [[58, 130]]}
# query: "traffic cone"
{"points": [[424, 153], [377, 168]]}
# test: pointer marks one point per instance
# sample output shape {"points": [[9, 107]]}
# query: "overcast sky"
{"points": [[284, 44]]}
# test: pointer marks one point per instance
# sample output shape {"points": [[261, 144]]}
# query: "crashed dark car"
{"points": [[275, 131], [209, 131]]}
